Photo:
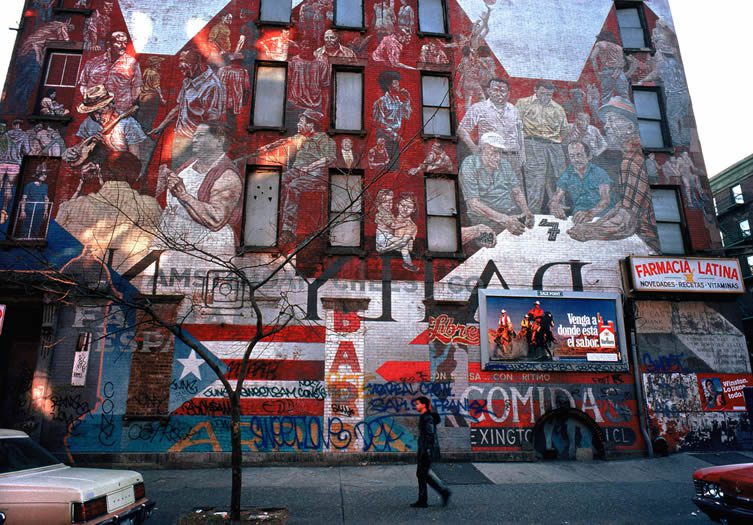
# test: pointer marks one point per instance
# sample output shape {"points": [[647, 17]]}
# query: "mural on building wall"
{"points": [[156, 118]]}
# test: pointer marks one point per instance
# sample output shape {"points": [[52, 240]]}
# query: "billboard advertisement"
{"points": [[723, 392], [546, 330], [686, 274]]}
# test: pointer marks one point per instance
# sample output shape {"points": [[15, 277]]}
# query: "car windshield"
{"points": [[22, 454]]}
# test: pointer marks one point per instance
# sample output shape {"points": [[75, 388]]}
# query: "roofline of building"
{"points": [[739, 171]]}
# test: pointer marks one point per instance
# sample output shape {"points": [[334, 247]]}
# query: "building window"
{"points": [[737, 194], [27, 196], [261, 209], [275, 11], [348, 107], [442, 224], [432, 17], [652, 120], [59, 86], [744, 228], [435, 100], [270, 87], [632, 24], [668, 221], [349, 13], [749, 260], [345, 209]]}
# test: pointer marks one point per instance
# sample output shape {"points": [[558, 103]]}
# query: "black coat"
{"points": [[428, 440]]}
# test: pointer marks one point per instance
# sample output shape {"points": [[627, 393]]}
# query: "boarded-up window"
{"points": [[345, 209], [442, 228], [277, 11], [435, 92], [349, 13], [348, 100], [668, 221], [431, 16], [262, 202], [269, 95]]}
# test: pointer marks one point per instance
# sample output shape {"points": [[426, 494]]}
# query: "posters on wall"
{"points": [[723, 392]]}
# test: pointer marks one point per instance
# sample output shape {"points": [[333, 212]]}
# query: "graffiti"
{"points": [[304, 390], [189, 386], [156, 432], [443, 329], [663, 364], [106, 422], [404, 388], [68, 409], [301, 433]]}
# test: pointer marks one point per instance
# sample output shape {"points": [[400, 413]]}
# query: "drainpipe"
{"points": [[639, 394]]}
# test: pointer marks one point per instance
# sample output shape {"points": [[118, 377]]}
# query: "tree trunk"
{"points": [[236, 457]]}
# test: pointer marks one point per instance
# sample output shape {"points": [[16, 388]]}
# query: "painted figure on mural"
{"points": [[390, 112], [151, 95], [28, 63], [118, 71], [237, 85], [652, 168], [384, 17], [346, 156], [201, 100], [312, 21], [203, 197], [106, 129], [436, 161], [492, 191], [406, 17], [97, 27], [396, 232], [275, 47], [18, 143], [308, 80], [219, 39], [428, 452], [608, 61], [34, 207], [333, 48], [667, 69], [473, 72], [695, 197], [544, 129], [390, 49], [432, 53], [582, 131], [313, 151], [633, 212], [496, 115], [379, 157], [44, 9], [116, 217], [583, 189], [50, 107]]}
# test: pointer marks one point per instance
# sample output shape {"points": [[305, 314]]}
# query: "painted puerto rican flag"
{"points": [[285, 374]]}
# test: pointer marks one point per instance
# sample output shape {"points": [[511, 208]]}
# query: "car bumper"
{"points": [[717, 509], [133, 516]]}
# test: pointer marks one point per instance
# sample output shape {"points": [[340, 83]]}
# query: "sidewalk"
{"points": [[630, 491]]}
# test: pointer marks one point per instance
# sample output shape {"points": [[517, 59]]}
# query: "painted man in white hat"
{"points": [[491, 189], [126, 135]]}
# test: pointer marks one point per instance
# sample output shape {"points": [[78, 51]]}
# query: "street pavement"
{"points": [[634, 491]]}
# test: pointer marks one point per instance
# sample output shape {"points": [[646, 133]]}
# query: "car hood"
{"points": [[742, 472], [88, 482]]}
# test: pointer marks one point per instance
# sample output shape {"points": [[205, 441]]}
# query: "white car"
{"points": [[35, 488]]}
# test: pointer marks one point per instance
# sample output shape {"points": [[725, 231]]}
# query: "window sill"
{"points": [[253, 129], [360, 29], [49, 118], [445, 255], [446, 36], [631, 50], [258, 249], [451, 138], [666, 149], [27, 243], [72, 11], [358, 132], [345, 250], [273, 23]]}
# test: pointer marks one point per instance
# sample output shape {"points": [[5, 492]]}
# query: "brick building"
{"points": [[487, 202]]}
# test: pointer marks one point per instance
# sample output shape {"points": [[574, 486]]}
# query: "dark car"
{"points": [[725, 492]]}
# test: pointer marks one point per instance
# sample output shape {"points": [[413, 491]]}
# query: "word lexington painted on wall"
{"points": [[686, 274]]}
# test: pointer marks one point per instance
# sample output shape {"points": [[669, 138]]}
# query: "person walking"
{"points": [[428, 451]]}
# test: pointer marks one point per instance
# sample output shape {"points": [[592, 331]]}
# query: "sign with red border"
{"points": [[686, 274]]}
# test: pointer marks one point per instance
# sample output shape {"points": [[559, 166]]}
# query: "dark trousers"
{"points": [[426, 476]]}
